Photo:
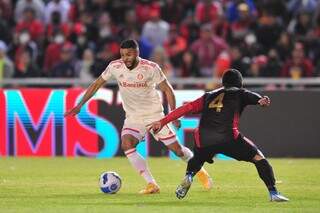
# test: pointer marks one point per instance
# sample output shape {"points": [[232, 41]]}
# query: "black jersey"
{"points": [[221, 112]]}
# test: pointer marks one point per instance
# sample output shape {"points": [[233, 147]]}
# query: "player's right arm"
{"points": [[191, 107], [92, 89]]}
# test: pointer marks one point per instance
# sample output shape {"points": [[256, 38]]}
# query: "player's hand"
{"points": [[264, 101], [155, 127], [75, 110], [177, 124]]}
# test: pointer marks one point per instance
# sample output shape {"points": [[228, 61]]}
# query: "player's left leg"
{"points": [[264, 169], [132, 133], [266, 173]]}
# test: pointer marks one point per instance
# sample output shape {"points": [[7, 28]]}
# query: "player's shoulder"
{"points": [[116, 64], [247, 92], [244, 90], [148, 64], [215, 91]]}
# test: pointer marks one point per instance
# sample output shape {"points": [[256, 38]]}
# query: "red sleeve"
{"points": [[191, 107]]}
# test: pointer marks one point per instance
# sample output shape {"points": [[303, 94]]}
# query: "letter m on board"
{"points": [[33, 133]]}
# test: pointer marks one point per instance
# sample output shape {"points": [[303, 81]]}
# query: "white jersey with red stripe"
{"points": [[140, 99], [137, 87]]}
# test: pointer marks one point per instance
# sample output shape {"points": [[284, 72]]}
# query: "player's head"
{"points": [[232, 78], [129, 51]]}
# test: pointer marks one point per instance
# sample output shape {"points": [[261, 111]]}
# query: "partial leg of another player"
{"points": [[194, 166], [265, 172], [128, 145], [186, 154]]}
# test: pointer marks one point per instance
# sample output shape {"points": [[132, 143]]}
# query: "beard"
{"points": [[133, 65]]}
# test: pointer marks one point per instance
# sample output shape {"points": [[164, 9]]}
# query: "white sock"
{"points": [[187, 154], [139, 164]]}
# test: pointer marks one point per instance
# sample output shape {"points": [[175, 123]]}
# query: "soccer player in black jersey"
{"points": [[218, 131]]}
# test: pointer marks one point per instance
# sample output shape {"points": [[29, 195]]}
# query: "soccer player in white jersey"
{"points": [[137, 80]]}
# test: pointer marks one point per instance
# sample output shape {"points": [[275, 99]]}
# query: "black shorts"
{"points": [[240, 149]]}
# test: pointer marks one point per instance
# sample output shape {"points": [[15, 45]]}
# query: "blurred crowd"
{"points": [[198, 38]]}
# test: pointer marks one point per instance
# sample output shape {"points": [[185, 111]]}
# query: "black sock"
{"points": [[194, 166], [266, 174]]}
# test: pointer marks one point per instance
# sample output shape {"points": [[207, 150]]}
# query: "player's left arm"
{"points": [[264, 101], [167, 89], [252, 98]]}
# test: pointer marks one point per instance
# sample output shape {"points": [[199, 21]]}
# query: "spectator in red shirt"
{"points": [[143, 9], [207, 48], [56, 25], [53, 52], [31, 24], [174, 46], [299, 65], [208, 11]]}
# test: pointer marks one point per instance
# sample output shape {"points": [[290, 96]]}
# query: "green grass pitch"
{"points": [[71, 185]]}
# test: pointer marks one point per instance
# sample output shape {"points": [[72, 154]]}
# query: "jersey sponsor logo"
{"points": [[139, 76], [133, 85]]}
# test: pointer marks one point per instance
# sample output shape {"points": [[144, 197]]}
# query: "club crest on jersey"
{"points": [[139, 76]]}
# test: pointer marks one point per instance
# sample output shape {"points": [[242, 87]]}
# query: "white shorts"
{"points": [[137, 128]]}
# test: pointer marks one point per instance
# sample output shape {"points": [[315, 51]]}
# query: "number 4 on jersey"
{"points": [[217, 103]]}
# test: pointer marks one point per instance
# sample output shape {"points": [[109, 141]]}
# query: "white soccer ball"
{"points": [[110, 182]]}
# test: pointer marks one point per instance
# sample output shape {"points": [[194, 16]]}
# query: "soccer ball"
{"points": [[110, 182]]}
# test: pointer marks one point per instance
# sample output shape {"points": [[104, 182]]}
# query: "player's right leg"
{"points": [[194, 166], [129, 141], [186, 155], [168, 138]]}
